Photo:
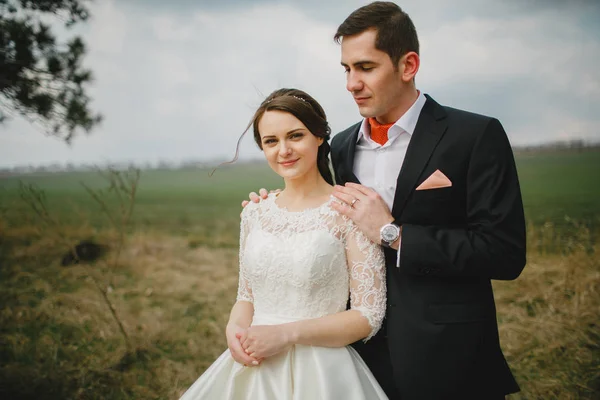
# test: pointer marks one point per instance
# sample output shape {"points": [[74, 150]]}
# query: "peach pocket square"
{"points": [[435, 181]]}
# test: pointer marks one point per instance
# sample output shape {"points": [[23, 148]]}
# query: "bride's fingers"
{"points": [[240, 355], [249, 349], [245, 342], [242, 337], [237, 351]]}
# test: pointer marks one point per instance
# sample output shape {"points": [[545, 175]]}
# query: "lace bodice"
{"points": [[305, 264]]}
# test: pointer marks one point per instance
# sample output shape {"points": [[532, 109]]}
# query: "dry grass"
{"points": [[58, 340], [549, 327]]}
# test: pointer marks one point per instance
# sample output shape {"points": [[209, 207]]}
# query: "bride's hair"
{"points": [[302, 106]]}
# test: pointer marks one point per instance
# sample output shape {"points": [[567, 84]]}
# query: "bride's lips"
{"points": [[288, 163]]}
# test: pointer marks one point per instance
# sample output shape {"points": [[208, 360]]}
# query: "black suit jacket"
{"points": [[440, 333]]}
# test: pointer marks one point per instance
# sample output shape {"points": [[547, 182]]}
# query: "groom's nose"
{"points": [[353, 82]]}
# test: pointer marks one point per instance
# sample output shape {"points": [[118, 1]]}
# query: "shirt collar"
{"points": [[406, 123]]}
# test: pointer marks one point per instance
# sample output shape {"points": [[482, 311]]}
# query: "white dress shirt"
{"points": [[378, 166]]}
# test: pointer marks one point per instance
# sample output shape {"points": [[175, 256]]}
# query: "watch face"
{"points": [[389, 233]]}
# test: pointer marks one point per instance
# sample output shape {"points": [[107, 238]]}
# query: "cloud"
{"points": [[108, 38], [180, 80], [536, 71]]}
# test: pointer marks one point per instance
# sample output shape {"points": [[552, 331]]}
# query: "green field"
{"points": [[174, 282], [560, 185], [556, 187]]}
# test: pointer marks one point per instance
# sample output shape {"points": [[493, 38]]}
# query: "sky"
{"points": [[180, 80]]}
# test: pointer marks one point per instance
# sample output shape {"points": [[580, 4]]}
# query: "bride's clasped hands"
{"points": [[263, 341], [233, 332]]}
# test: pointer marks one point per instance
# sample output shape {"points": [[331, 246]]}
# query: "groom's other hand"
{"points": [[365, 207], [255, 198], [262, 195]]}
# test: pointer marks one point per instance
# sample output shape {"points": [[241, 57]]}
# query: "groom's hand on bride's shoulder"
{"points": [[256, 198]]}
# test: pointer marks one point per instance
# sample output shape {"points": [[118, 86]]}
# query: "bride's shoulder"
{"points": [[254, 209], [340, 219], [334, 200]]}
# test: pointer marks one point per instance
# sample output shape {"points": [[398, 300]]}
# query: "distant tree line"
{"points": [[572, 145]]}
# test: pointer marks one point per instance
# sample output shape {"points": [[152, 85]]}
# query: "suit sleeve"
{"points": [[492, 242]]}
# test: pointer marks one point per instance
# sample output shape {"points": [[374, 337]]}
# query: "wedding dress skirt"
{"points": [[301, 265], [301, 373]]}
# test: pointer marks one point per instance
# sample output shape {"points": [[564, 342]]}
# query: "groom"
{"points": [[438, 188], [456, 220]]}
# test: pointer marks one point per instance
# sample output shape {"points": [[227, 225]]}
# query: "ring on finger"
{"points": [[353, 202]]}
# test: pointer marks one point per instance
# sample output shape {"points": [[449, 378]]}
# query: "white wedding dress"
{"points": [[296, 266]]}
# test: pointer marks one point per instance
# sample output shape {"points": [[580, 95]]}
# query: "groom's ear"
{"points": [[408, 66]]}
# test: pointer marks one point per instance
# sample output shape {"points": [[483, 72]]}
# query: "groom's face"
{"points": [[371, 78]]}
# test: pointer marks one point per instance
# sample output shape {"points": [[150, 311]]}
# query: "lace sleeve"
{"points": [[244, 292], [366, 266]]}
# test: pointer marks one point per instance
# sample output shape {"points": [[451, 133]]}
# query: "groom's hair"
{"points": [[396, 33]]}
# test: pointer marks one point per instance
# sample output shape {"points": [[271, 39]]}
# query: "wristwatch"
{"points": [[388, 234]]}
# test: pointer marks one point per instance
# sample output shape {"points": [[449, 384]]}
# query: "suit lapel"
{"points": [[430, 128]]}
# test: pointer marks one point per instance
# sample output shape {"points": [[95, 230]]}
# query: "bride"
{"points": [[300, 261]]}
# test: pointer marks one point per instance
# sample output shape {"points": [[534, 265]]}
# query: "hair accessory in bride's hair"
{"points": [[296, 97], [300, 98]]}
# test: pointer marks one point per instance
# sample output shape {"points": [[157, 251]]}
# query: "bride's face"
{"points": [[289, 147]]}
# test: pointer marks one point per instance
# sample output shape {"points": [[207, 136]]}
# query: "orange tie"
{"points": [[379, 132]]}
